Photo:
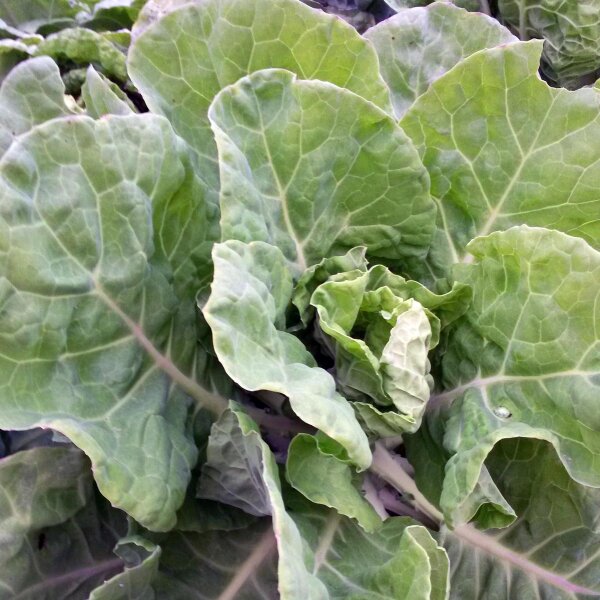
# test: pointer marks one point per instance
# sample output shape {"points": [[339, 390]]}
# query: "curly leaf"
{"points": [[251, 290]]}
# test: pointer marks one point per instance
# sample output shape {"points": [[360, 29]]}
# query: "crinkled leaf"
{"points": [[381, 337], [504, 149], [219, 41], [400, 560], [102, 97], [91, 305], [31, 94], [551, 551], [417, 46], [324, 479], [84, 46], [251, 290], [571, 31], [316, 170], [317, 274], [524, 361]]}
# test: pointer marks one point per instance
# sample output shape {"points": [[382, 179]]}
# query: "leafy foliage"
{"points": [[259, 339]]}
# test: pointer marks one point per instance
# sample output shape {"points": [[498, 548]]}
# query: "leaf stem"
{"points": [[485, 7], [391, 471], [211, 402]]}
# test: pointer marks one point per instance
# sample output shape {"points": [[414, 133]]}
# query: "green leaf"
{"points": [[29, 15], [91, 303], [380, 335], [56, 539], [505, 149], [571, 31], [84, 46], [219, 41], [240, 564], [251, 290], [241, 471], [322, 554], [316, 170], [551, 552], [102, 97], [317, 274], [31, 94], [135, 582], [400, 560], [417, 46], [524, 361], [324, 479]]}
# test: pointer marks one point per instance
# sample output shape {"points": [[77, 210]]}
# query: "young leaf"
{"points": [[91, 306], [102, 97], [417, 46], [381, 335], [316, 170], [309, 465], [251, 290], [85, 46], [505, 149], [534, 370]]}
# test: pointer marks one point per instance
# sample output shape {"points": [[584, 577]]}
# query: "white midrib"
{"points": [[248, 568], [495, 212], [392, 472], [283, 199], [212, 402], [484, 382]]}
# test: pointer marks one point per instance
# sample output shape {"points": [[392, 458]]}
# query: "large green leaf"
{"points": [[219, 41], [550, 553], [523, 362], [91, 304], [571, 31], [417, 46], [28, 15], [503, 149], [31, 94], [316, 170], [251, 290]]}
